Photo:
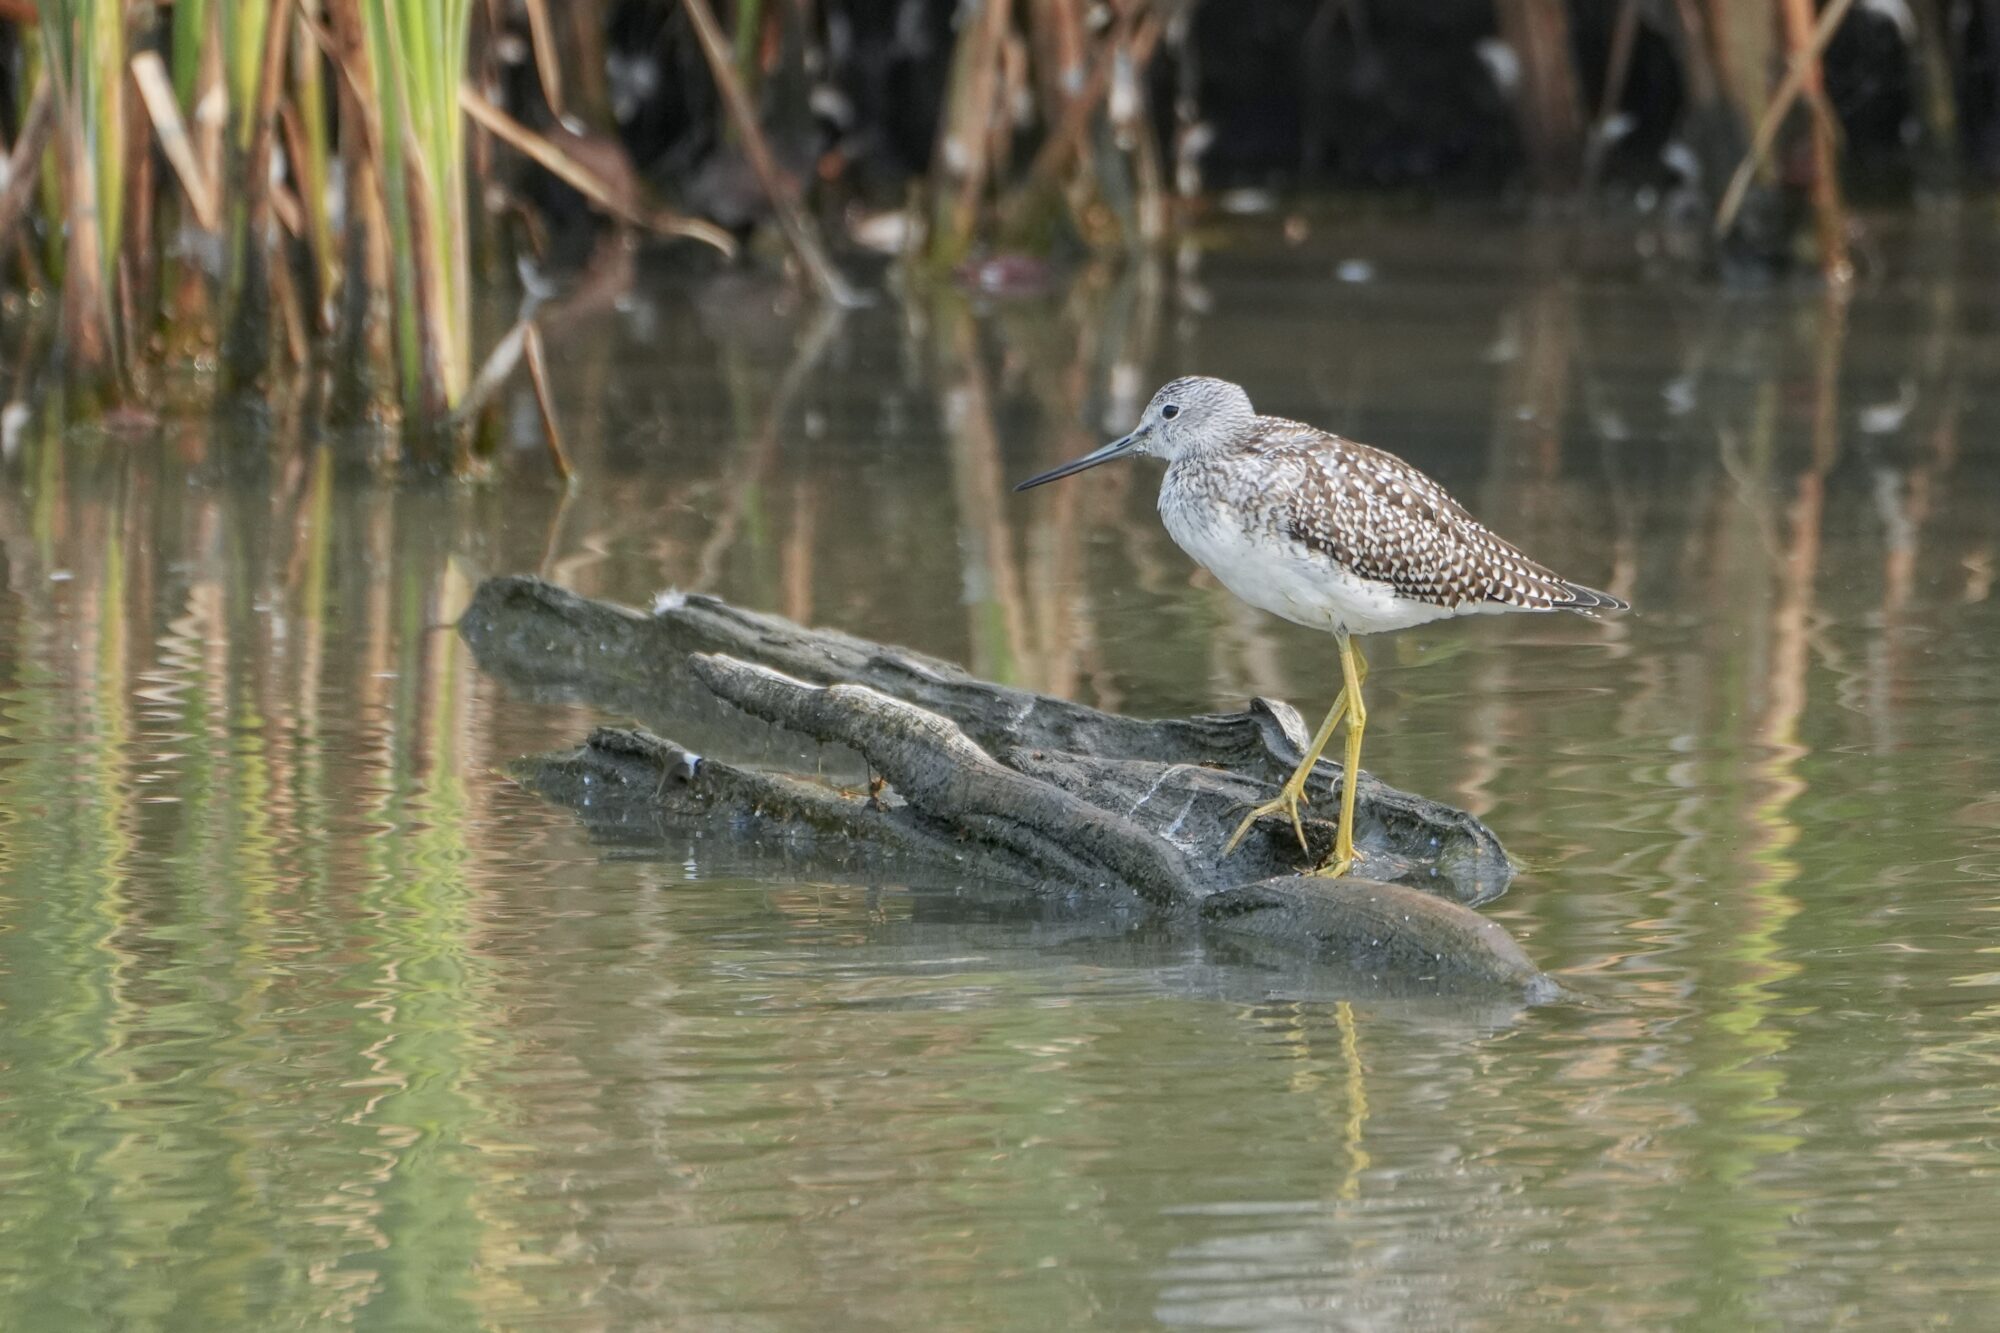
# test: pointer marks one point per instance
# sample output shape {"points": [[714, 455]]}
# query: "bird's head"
{"points": [[1186, 416]]}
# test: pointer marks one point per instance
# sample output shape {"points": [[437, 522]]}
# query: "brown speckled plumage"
{"points": [[1381, 519]]}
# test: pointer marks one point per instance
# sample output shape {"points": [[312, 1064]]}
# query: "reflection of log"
{"points": [[987, 784]]}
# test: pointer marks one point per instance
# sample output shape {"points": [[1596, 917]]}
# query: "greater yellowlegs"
{"points": [[1328, 533]]}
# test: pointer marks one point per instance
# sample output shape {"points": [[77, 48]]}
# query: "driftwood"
{"points": [[1097, 813]]}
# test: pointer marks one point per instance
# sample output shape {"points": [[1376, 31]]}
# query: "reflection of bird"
{"points": [[1328, 533]]}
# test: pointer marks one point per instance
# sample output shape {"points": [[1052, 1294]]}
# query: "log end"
{"points": [[1393, 936]]}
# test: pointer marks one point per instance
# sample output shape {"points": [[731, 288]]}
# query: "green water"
{"points": [[309, 1017]]}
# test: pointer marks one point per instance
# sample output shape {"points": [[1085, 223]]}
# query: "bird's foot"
{"points": [[1339, 865], [1287, 803]]}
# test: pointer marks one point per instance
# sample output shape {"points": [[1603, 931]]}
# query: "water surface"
{"points": [[309, 1016]]}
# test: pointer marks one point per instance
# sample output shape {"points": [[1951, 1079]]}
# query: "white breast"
{"points": [[1284, 577]]}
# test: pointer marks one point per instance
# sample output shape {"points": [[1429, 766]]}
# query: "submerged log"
{"points": [[987, 784]]}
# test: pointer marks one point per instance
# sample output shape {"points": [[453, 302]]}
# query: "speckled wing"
{"points": [[1378, 517]]}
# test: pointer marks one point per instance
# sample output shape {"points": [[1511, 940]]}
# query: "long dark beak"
{"points": [[1115, 449]]}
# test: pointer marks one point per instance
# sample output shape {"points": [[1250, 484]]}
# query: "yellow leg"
{"points": [[1352, 670], [1292, 795]]}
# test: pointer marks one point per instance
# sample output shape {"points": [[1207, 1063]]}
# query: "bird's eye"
{"points": [[1169, 412]]}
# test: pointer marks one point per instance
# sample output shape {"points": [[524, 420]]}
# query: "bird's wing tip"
{"points": [[1592, 600]]}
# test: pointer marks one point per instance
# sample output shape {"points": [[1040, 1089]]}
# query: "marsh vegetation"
{"points": [[303, 198]]}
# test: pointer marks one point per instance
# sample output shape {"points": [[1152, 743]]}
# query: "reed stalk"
{"points": [[963, 161], [416, 56], [1617, 71], [84, 53], [256, 76], [548, 55], [38, 125], [749, 33], [588, 95], [244, 26], [1096, 154], [1743, 50], [1807, 39], [1931, 63], [801, 233], [190, 40], [309, 146], [1068, 143], [1549, 105]]}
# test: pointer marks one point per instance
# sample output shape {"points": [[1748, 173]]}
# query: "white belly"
{"points": [[1301, 585]]}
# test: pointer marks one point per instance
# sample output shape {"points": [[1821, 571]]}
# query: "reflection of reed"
{"points": [[751, 461], [1906, 486], [1244, 658], [1535, 384], [1741, 1084], [796, 555], [1785, 689], [1059, 612], [992, 588], [1034, 618], [1523, 469], [250, 878]]}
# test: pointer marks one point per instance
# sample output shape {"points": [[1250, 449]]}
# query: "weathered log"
{"points": [[989, 784], [1184, 779]]}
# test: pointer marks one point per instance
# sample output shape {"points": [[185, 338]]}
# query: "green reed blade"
{"points": [[418, 54]]}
